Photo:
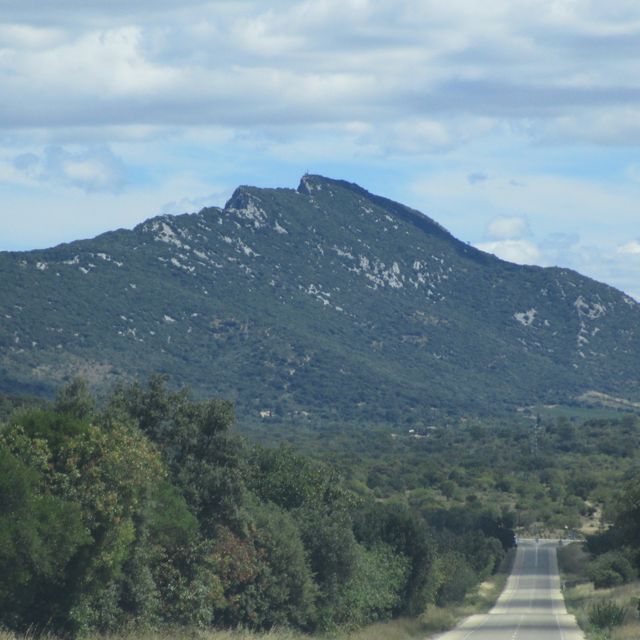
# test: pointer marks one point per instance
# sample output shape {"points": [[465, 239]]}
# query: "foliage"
{"points": [[573, 559], [39, 535], [150, 511], [290, 590], [610, 570], [407, 534], [457, 579], [325, 303], [205, 459], [374, 592], [616, 551], [607, 614]]}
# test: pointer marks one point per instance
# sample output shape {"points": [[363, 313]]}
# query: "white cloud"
{"points": [[22, 36], [551, 203], [630, 248], [194, 204], [508, 227], [518, 251], [90, 169]]}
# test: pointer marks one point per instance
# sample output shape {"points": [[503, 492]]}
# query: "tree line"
{"points": [[149, 510]]}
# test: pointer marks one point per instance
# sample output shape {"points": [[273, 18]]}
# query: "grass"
{"points": [[581, 596]]}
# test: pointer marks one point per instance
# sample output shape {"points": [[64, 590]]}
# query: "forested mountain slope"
{"points": [[321, 302]]}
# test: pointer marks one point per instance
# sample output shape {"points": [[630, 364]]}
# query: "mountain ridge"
{"points": [[325, 301]]}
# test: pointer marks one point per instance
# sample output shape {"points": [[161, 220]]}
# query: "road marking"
{"points": [[529, 603], [515, 633], [559, 627]]}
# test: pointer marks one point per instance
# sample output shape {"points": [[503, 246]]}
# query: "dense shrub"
{"points": [[375, 589], [39, 536], [150, 512], [573, 559], [606, 614], [610, 569], [457, 579]]}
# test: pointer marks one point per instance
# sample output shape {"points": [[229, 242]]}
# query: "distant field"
{"points": [[577, 412]]}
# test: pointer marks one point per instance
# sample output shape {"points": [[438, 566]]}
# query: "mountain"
{"points": [[322, 302]]}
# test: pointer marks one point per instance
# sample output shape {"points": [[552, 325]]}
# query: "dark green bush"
{"points": [[150, 511], [606, 614], [572, 558], [610, 569], [458, 579]]}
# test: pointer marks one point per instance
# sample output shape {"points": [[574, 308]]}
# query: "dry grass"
{"points": [[401, 629], [580, 598]]}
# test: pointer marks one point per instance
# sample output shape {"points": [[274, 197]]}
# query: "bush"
{"points": [[606, 614], [610, 569], [39, 536], [375, 590], [458, 579], [286, 586], [573, 559]]}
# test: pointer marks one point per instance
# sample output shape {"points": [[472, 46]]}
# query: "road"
{"points": [[531, 607]]}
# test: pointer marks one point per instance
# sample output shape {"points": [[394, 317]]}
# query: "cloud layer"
{"points": [[447, 71]]}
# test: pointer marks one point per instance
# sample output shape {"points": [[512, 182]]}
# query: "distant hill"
{"points": [[322, 302]]}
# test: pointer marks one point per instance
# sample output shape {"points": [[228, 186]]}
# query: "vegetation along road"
{"points": [[531, 606]]}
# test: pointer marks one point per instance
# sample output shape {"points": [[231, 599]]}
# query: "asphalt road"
{"points": [[531, 607]]}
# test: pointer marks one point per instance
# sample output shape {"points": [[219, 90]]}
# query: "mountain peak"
{"points": [[239, 199], [312, 183], [330, 301]]}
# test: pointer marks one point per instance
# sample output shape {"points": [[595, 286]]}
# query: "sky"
{"points": [[513, 123]]}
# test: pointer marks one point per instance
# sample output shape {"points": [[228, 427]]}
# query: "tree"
{"points": [[76, 400], [400, 529], [205, 458], [39, 536]]}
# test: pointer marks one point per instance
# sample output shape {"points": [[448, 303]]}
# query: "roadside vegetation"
{"points": [[429, 624], [145, 512], [149, 512], [601, 575]]}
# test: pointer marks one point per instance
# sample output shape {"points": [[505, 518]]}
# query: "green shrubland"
{"points": [[146, 512]]}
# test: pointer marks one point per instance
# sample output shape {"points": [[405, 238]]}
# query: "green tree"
{"points": [[406, 534], [39, 536], [205, 458], [108, 475], [75, 399]]}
